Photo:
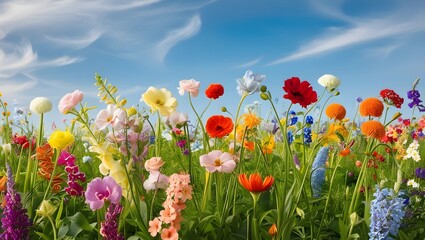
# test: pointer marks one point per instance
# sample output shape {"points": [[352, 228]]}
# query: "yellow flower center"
{"points": [[217, 162]]}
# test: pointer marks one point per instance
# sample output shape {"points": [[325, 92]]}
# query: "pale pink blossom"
{"points": [[154, 164], [155, 227], [176, 118], [155, 180], [191, 86], [111, 116], [217, 160], [167, 215], [70, 100]]}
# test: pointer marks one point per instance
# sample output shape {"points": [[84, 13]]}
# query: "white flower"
{"points": [[329, 81], [7, 147], [412, 152], [250, 83], [156, 180], [40, 105], [412, 183]]}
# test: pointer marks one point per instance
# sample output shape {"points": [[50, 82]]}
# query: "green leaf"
{"points": [[77, 224]]}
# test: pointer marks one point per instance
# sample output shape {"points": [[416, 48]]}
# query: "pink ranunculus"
{"points": [[217, 160], [70, 100], [99, 190], [155, 181], [191, 86], [154, 164]]}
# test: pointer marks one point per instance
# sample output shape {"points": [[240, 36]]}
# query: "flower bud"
{"points": [[46, 209], [263, 88], [264, 96], [354, 219], [273, 230], [223, 109]]}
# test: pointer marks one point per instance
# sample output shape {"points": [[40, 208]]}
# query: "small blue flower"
{"points": [[309, 119], [307, 135], [290, 137]]}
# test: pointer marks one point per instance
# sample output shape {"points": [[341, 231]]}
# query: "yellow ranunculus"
{"points": [[61, 139], [267, 144], [160, 100]]}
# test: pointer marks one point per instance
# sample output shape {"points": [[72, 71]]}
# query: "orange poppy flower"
{"points": [[371, 107], [251, 120], [335, 111], [373, 129], [249, 145], [219, 126], [255, 184], [344, 152]]}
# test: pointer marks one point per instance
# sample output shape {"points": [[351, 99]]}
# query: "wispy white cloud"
{"points": [[16, 87], [384, 51], [177, 35], [14, 61], [76, 43], [358, 31], [249, 64]]}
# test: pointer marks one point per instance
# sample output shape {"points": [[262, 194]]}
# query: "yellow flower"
{"points": [[331, 135], [267, 144], [251, 120], [61, 139], [160, 100], [46, 209]]}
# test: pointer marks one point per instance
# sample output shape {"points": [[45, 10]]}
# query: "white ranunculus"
{"points": [[329, 81], [40, 105]]}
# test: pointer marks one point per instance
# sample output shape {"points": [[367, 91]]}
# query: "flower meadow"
{"points": [[147, 171]]}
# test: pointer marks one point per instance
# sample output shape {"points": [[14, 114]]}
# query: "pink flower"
{"points": [[155, 227], [70, 100], [169, 234], [176, 118], [156, 180], [168, 215], [191, 86], [66, 158], [111, 115], [99, 190], [154, 164], [217, 160]]}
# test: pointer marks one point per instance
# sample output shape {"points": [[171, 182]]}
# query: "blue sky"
{"points": [[49, 48]]}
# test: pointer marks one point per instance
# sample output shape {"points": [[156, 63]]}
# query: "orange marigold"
{"points": [[371, 107], [373, 129], [335, 111], [251, 120]]}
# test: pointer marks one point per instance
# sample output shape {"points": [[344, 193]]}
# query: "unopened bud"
{"points": [[264, 96], [263, 88], [223, 109]]}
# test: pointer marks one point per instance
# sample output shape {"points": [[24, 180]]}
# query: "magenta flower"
{"points": [[100, 190], [217, 160], [66, 158]]}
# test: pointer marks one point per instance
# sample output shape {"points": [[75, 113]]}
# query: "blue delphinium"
{"points": [[414, 95], [318, 171], [387, 210], [15, 222]]}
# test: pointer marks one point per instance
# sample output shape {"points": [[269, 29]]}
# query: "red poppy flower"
{"points": [[255, 184], [214, 91], [299, 92], [391, 98], [219, 126]]}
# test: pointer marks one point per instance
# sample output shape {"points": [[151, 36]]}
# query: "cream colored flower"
{"points": [[40, 105], [412, 152], [7, 148], [160, 100], [329, 81], [46, 209], [412, 183]]}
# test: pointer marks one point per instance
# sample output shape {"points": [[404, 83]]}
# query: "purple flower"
{"points": [[359, 99], [99, 190], [414, 95], [74, 174], [66, 158], [420, 173], [15, 222], [109, 228]]}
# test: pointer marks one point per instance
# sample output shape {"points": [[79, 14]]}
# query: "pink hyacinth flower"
{"points": [[100, 190], [219, 161]]}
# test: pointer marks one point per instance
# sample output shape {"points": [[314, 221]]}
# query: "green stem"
{"points": [[205, 138], [53, 227]]}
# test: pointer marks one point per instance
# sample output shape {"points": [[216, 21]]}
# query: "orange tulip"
{"points": [[255, 184]]}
